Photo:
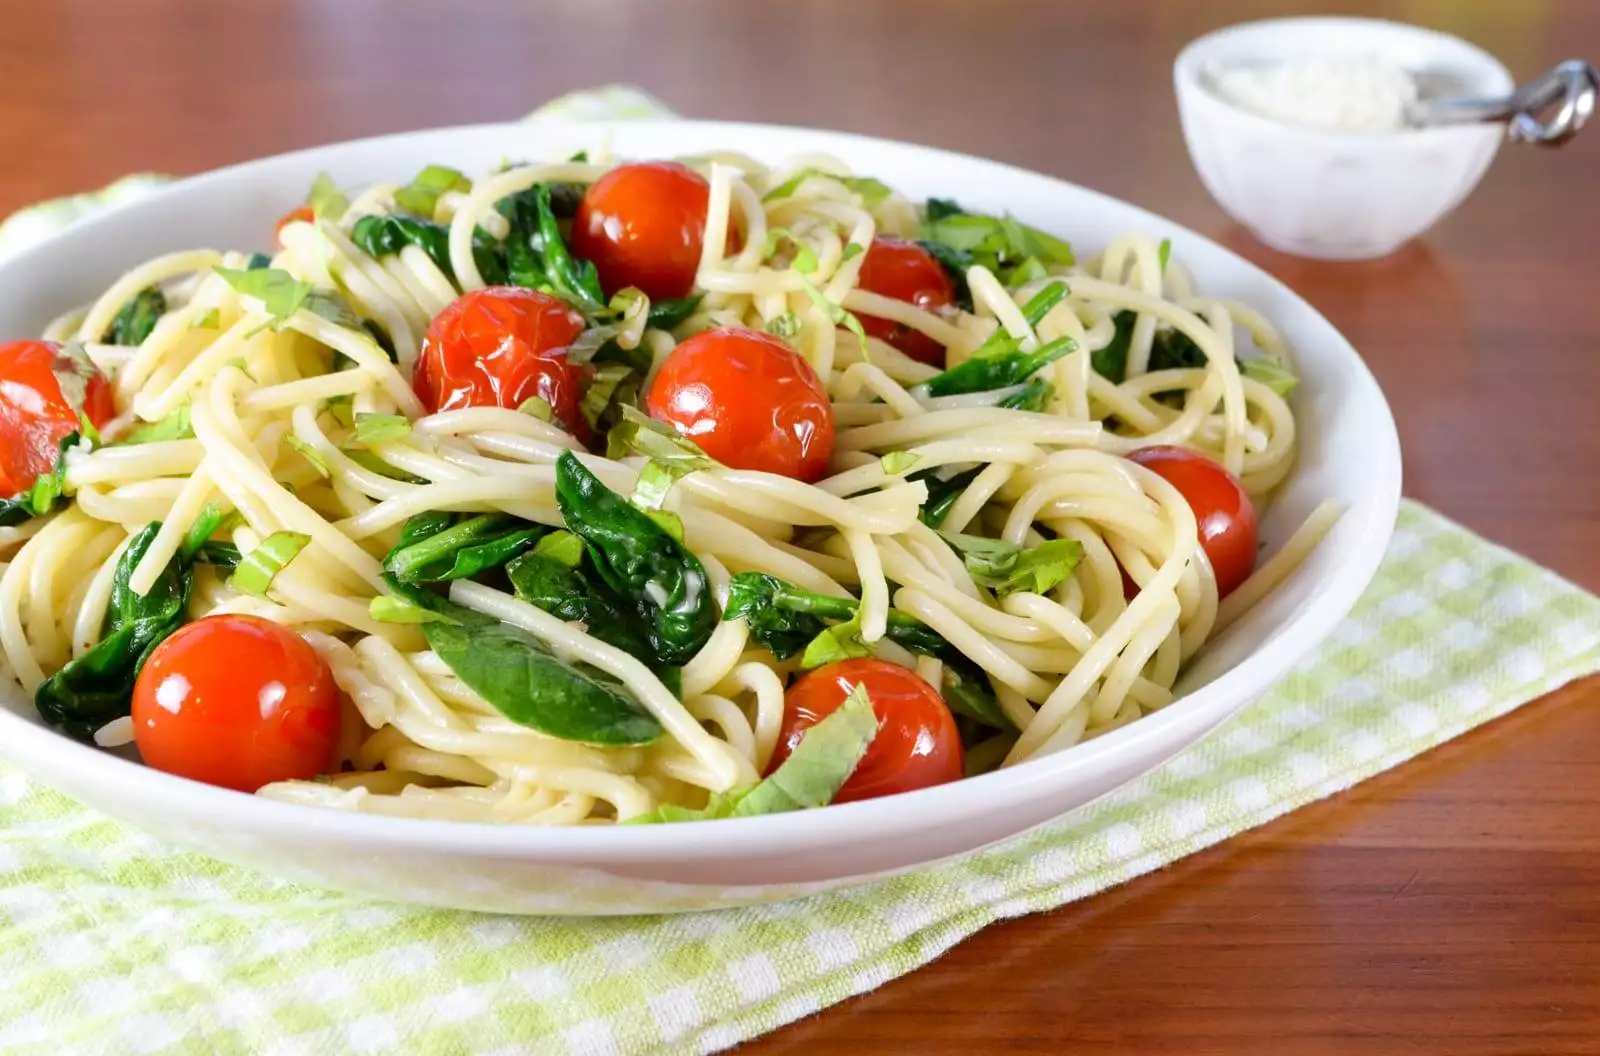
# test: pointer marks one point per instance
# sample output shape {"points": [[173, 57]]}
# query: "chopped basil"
{"points": [[873, 192], [785, 326], [842, 641], [326, 200], [261, 566], [175, 426], [837, 313], [1008, 568], [421, 196], [1269, 372], [897, 462], [312, 455], [380, 428], [805, 258], [280, 294], [823, 760]]}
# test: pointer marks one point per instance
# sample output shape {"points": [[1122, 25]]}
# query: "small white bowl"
{"points": [[1326, 194]]}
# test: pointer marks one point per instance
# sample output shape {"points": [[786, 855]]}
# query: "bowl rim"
{"points": [[1328, 603], [1190, 63]]}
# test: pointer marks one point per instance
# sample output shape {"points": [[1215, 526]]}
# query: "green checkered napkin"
{"points": [[111, 942]]}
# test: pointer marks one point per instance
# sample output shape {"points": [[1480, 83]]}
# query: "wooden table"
{"points": [[1448, 906]]}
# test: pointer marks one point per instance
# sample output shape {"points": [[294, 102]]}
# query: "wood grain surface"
{"points": [[1452, 905]]}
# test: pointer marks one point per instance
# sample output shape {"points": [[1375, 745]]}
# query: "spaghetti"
{"points": [[281, 415]]}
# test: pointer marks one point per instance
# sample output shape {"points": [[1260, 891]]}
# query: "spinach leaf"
{"points": [[257, 261], [820, 764], [637, 559], [576, 280], [1014, 251], [98, 687], [783, 629], [955, 263], [134, 321], [526, 681], [1035, 396], [437, 548], [381, 236], [979, 374], [786, 620], [666, 314], [1111, 362], [42, 496], [537, 256], [942, 494], [967, 692], [565, 591], [224, 556], [1172, 349]]}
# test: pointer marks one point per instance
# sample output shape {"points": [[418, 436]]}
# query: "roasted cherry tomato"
{"points": [[917, 745], [42, 392], [643, 225], [749, 400], [500, 347], [304, 214], [1223, 512], [901, 269], [236, 701]]}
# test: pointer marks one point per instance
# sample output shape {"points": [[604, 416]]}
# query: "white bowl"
{"points": [[1336, 195], [1348, 452]]}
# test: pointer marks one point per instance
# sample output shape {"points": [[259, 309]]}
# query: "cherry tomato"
{"points": [[500, 347], [917, 745], [901, 269], [42, 392], [749, 400], [1223, 512], [643, 225], [303, 214], [236, 701]]}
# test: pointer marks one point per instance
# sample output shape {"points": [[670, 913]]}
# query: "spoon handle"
{"points": [[1572, 84]]}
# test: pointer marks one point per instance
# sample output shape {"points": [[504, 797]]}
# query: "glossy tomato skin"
{"points": [[236, 701], [1223, 512], [901, 269], [42, 391], [917, 746], [500, 347], [749, 400], [643, 225], [302, 214]]}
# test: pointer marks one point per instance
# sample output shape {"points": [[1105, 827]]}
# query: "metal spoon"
{"points": [[1573, 84]]}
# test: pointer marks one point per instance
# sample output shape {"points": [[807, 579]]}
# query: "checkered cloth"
{"points": [[112, 942]]}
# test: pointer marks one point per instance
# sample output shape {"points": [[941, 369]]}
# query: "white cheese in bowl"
{"points": [[1343, 94]]}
